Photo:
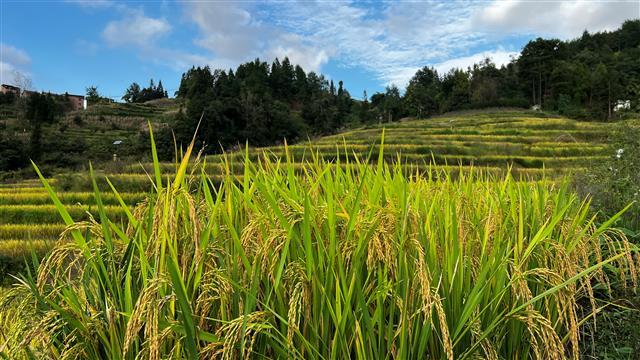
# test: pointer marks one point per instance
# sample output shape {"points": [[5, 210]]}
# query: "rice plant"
{"points": [[31, 231], [330, 262], [85, 198], [47, 214], [19, 249]]}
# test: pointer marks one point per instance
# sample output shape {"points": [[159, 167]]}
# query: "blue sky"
{"points": [[69, 45]]}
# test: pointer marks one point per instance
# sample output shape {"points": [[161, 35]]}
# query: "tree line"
{"points": [[581, 78], [261, 103], [136, 94]]}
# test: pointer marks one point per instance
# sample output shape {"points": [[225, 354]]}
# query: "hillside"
{"points": [[75, 137], [531, 143]]}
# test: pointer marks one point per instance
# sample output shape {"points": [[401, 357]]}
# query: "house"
{"points": [[27, 93], [77, 102], [622, 105], [6, 89]]}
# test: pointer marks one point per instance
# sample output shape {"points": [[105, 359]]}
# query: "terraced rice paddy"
{"points": [[530, 145], [361, 263], [29, 220]]}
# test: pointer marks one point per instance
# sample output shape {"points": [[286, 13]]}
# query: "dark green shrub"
{"points": [[615, 183]]}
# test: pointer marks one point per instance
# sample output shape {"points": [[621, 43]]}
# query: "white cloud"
{"points": [[564, 19], [226, 30], [176, 59], [233, 34], [140, 32], [294, 47], [392, 42], [6, 72], [11, 54], [135, 29], [400, 76], [391, 46], [92, 3], [12, 60]]}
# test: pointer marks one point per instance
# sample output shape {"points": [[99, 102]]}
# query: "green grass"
{"points": [[321, 262]]}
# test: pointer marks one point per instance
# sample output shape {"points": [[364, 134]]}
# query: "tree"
{"points": [[35, 142], [160, 93], [12, 154], [364, 113], [455, 90], [422, 97], [600, 92], [132, 94], [536, 62], [300, 88], [282, 78], [633, 91], [93, 96], [484, 82], [262, 103], [41, 109], [22, 81], [195, 81], [135, 94], [8, 98], [392, 104]]}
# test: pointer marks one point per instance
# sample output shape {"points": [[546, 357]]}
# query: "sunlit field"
{"points": [[319, 258], [531, 146]]}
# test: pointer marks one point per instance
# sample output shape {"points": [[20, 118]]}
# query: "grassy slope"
{"points": [[90, 133]]}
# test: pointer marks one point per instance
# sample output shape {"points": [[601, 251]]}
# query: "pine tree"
{"points": [[160, 91]]}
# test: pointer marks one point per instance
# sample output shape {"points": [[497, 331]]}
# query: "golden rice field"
{"points": [[530, 145], [321, 260]]}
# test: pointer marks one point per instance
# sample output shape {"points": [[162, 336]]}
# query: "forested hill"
{"points": [[581, 78], [260, 103]]}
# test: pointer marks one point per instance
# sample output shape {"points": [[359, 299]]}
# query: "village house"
{"points": [[27, 93], [77, 102], [6, 89]]}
